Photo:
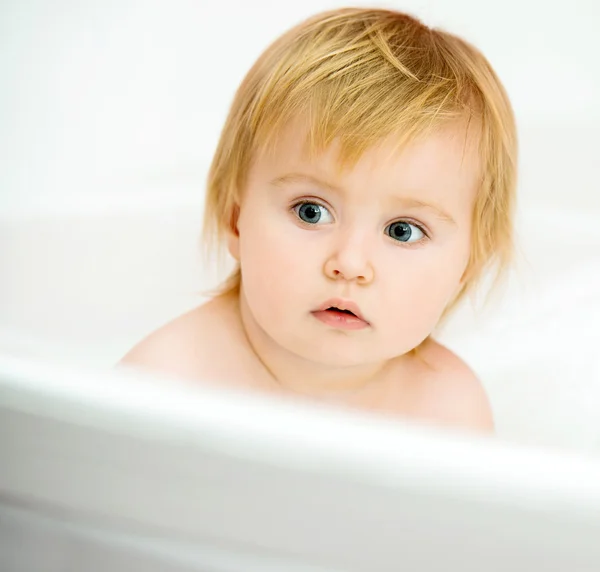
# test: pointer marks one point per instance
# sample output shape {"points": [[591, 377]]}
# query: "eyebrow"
{"points": [[408, 202], [301, 178]]}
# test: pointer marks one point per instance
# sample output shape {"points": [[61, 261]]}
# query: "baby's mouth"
{"points": [[341, 313], [334, 309]]}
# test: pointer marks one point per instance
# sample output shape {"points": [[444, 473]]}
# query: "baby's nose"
{"points": [[350, 261]]}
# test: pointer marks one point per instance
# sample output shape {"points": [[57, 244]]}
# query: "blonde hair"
{"points": [[359, 76]]}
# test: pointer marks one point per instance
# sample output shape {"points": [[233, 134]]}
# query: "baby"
{"points": [[364, 181]]}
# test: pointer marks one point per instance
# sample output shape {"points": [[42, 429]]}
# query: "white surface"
{"points": [[138, 472]]}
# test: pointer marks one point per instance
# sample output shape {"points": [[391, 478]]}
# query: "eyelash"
{"points": [[414, 223]]}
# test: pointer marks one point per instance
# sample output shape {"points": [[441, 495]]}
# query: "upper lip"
{"points": [[342, 304]]}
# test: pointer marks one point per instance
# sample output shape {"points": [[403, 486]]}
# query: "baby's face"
{"points": [[388, 239]]}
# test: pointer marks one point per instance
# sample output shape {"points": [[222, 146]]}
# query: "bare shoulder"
{"points": [[187, 345], [455, 394]]}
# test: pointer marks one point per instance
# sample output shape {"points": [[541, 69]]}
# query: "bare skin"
{"points": [[209, 344]]}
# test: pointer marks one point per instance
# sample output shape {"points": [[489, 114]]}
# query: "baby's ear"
{"points": [[233, 234]]}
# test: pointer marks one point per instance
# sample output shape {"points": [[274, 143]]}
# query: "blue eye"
{"points": [[312, 213], [403, 231]]}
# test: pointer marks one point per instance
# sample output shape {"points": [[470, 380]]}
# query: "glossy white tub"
{"points": [[126, 473]]}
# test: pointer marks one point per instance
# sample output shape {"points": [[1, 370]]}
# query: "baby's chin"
{"points": [[343, 352]]}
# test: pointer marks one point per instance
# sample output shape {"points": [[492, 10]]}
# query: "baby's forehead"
{"points": [[450, 148]]}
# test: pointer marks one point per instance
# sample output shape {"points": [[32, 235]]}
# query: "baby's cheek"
{"points": [[421, 294], [292, 251], [270, 270]]}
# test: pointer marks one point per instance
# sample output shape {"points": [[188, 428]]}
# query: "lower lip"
{"points": [[340, 320]]}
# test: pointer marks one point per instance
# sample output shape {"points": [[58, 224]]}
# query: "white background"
{"points": [[122, 101]]}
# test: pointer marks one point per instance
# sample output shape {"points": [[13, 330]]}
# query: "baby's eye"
{"points": [[403, 231], [312, 213]]}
